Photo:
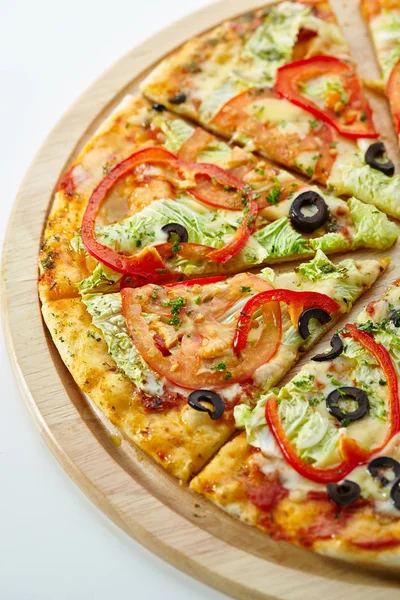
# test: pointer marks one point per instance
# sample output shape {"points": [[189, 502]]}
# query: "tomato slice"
{"points": [[280, 146], [190, 149], [393, 93], [351, 116], [351, 453], [194, 325], [148, 264], [297, 302]]}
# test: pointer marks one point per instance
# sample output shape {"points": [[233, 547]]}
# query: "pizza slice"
{"points": [[383, 18], [280, 81], [167, 364], [154, 199], [319, 465]]}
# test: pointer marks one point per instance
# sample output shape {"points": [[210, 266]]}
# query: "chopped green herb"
{"points": [[219, 367]]}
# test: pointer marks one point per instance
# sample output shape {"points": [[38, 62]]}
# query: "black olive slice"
{"points": [[178, 99], [395, 494], [178, 229], [337, 349], [299, 220], [333, 399], [311, 313], [381, 463], [395, 318], [158, 107], [195, 399], [344, 493], [375, 151]]}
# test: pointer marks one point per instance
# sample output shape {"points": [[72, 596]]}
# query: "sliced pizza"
{"points": [[319, 464], [167, 364], [280, 81], [383, 18], [154, 199]]}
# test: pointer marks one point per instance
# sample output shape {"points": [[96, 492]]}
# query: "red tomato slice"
{"points": [[191, 322], [282, 147], [190, 149], [352, 118], [393, 93]]}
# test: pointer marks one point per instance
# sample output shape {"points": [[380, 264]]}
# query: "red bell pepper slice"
{"points": [[353, 119], [393, 93], [297, 302], [351, 453]]}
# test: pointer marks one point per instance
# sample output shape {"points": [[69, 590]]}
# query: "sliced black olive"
{"points": [[178, 99], [311, 313], [178, 229], [333, 399], [195, 399], [395, 317], [395, 494], [158, 107], [344, 493], [299, 220], [381, 463], [375, 151], [337, 349]]}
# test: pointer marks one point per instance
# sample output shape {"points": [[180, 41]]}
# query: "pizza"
{"points": [[319, 463], [140, 354], [252, 145], [184, 204], [383, 18], [281, 81]]}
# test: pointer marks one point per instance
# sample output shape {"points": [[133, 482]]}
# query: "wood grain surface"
{"points": [[134, 492]]}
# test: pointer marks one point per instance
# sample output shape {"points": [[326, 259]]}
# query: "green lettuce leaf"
{"points": [[374, 230], [106, 313], [279, 239], [330, 242], [203, 224], [102, 281], [272, 44], [367, 184], [176, 132]]}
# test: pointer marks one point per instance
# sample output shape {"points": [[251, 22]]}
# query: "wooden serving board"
{"points": [[130, 488]]}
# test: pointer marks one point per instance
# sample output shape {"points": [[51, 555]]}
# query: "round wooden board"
{"points": [[132, 490]]}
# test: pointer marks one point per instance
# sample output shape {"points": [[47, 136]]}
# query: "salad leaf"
{"points": [[106, 313], [279, 239], [374, 229]]}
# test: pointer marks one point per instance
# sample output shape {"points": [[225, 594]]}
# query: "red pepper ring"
{"points": [[352, 454], [297, 302], [291, 76]]}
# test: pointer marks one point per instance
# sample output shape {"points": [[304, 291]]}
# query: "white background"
{"points": [[54, 544]]}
